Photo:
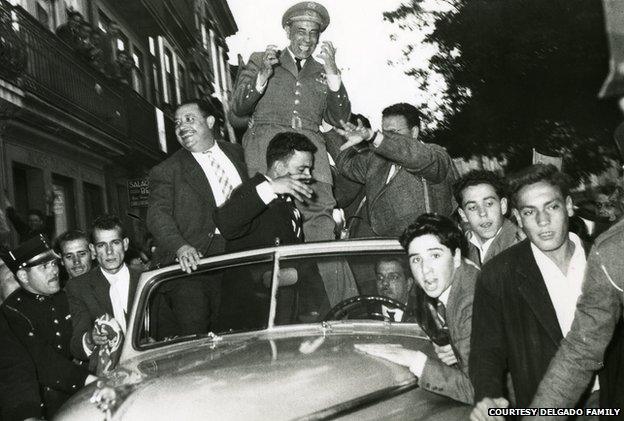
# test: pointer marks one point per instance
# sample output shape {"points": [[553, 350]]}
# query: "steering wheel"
{"points": [[372, 304]]}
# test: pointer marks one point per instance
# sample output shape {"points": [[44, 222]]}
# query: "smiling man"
{"points": [[526, 296], [289, 90], [107, 289], [76, 257], [445, 287], [483, 205]]}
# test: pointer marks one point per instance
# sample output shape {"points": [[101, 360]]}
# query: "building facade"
{"points": [[87, 94]]}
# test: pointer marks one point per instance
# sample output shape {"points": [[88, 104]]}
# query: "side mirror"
{"points": [[285, 278]]}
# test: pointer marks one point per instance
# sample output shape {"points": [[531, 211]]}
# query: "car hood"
{"points": [[271, 375]]}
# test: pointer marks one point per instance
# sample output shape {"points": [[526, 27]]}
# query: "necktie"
{"points": [[441, 312], [298, 63], [222, 178], [295, 216], [391, 316]]}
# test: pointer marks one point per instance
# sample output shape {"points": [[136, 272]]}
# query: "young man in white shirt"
{"points": [[106, 289]]}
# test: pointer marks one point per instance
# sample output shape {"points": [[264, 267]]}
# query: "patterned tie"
{"points": [[295, 216], [222, 178], [441, 310]]}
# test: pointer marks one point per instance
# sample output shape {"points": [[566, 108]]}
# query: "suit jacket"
{"points": [[246, 222], [438, 377], [514, 326], [394, 205], [291, 101], [43, 325], [89, 298], [509, 235], [181, 204]]}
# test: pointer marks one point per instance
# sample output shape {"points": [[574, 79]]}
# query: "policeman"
{"points": [[38, 315]]}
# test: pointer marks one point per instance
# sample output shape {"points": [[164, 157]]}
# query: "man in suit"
{"points": [[106, 289], [433, 244], [289, 90], [185, 190], [482, 205], [403, 176], [73, 247], [187, 187], [393, 281], [526, 296], [39, 317], [261, 213]]}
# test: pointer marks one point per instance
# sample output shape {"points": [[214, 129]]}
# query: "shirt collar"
{"points": [[214, 149], [543, 260], [445, 295], [113, 278], [303, 60]]}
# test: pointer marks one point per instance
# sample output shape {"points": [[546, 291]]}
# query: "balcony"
{"points": [[54, 77]]}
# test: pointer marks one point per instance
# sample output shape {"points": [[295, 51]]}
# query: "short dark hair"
{"points": [[411, 113], [107, 222], [355, 117], [68, 236], [476, 177], [401, 260], [283, 145], [538, 173], [447, 231], [201, 104]]}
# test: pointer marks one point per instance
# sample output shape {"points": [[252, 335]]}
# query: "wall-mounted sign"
{"points": [[138, 192]]}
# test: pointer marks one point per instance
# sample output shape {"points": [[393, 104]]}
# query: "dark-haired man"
{"points": [[107, 289], [526, 296], [483, 204], [394, 281], [445, 288], [73, 247], [403, 176], [289, 90], [39, 316]]}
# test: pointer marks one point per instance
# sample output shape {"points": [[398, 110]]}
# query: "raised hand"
{"points": [[354, 134], [294, 185], [328, 57], [188, 257], [269, 59]]}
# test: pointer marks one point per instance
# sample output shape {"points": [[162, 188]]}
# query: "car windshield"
{"points": [[258, 293]]}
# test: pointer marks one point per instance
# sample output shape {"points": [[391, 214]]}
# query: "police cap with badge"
{"points": [[308, 11], [31, 253]]}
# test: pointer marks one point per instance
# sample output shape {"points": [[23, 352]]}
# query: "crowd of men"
{"points": [[497, 271]]}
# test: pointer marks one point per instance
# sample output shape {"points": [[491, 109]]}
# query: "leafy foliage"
{"points": [[519, 74]]}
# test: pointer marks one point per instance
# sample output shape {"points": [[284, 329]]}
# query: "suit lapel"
{"points": [[533, 289], [502, 240], [101, 288], [379, 183], [134, 282], [242, 171], [288, 62], [195, 177]]}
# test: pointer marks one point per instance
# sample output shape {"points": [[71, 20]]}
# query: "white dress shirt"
{"points": [[203, 159], [118, 292], [483, 248]]}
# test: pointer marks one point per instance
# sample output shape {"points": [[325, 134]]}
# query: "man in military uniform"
{"points": [[38, 315], [289, 90]]}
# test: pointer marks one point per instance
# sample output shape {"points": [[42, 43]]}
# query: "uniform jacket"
{"points": [[291, 101], [509, 235], [246, 222], [19, 388], [438, 377], [514, 326], [392, 206], [89, 298], [43, 325], [597, 312], [181, 203]]}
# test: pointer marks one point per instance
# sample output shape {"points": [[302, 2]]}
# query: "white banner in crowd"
{"points": [[539, 158]]}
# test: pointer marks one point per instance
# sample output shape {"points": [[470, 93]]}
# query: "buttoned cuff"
{"points": [[334, 82], [259, 87], [418, 365], [266, 193], [86, 349]]}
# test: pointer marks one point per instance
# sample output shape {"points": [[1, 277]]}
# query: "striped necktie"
{"points": [[222, 178], [295, 216]]}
